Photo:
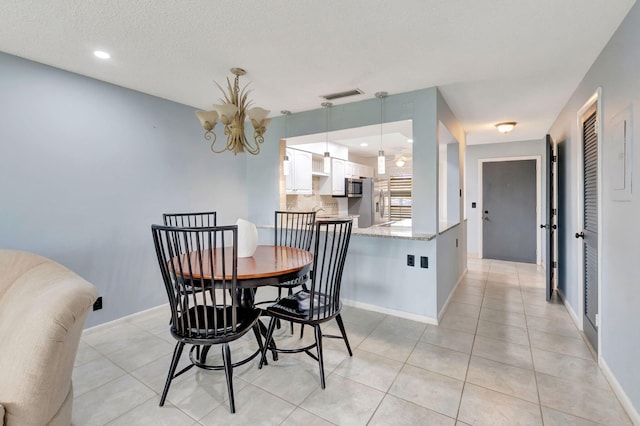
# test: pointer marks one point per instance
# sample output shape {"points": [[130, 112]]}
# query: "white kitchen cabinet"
{"points": [[365, 171], [355, 170], [351, 170], [337, 176], [299, 181]]}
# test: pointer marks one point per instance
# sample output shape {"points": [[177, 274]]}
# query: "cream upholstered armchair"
{"points": [[43, 306]]}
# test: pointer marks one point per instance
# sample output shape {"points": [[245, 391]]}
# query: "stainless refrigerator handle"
{"points": [[382, 201]]}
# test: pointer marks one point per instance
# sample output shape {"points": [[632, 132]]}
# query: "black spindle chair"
{"points": [[293, 229], [192, 257], [321, 302]]}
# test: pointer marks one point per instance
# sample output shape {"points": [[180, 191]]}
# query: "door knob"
{"points": [[580, 235]]}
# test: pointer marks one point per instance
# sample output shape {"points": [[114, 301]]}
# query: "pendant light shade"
{"points": [[381, 162], [286, 167], [327, 156], [381, 157], [327, 163]]}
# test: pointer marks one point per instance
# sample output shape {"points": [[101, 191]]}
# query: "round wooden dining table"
{"points": [[269, 265]]}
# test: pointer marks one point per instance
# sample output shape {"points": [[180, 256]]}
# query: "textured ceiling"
{"points": [[498, 60]]}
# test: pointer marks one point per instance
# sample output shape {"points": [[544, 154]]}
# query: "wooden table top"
{"points": [[266, 262]]}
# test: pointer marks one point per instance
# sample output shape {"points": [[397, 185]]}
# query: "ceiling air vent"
{"points": [[339, 95]]}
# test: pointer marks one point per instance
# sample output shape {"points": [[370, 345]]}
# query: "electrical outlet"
{"points": [[97, 305], [424, 262], [411, 260]]}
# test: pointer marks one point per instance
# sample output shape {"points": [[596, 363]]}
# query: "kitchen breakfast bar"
{"points": [[378, 275]]}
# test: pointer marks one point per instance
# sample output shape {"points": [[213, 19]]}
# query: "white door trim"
{"points": [[538, 159], [597, 99]]}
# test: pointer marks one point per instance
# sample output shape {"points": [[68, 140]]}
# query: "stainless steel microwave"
{"points": [[352, 187]]}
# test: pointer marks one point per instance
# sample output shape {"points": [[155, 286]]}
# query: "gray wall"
{"points": [[452, 258], [419, 106], [616, 70], [493, 151], [86, 167], [363, 280]]}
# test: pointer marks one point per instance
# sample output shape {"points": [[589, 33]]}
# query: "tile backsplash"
{"points": [[314, 201]]}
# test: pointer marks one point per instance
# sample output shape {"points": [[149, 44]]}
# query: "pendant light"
{"points": [[285, 162], [381, 157], [327, 155]]}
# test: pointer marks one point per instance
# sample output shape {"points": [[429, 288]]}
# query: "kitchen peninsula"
{"points": [[376, 274]]}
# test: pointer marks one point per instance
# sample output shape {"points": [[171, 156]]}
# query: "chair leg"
{"points": [[172, 370], [344, 333], [228, 372], [279, 297], [205, 351], [319, 347], [256, 332], [291, 322], [268, 339]]}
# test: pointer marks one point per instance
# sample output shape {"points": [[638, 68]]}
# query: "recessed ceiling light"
{"points": [[364, 144], [101, 54], [409, 140]]}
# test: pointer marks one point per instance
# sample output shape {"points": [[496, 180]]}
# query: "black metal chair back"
{"points": [[331, 242], [189, 258], [190, 220], [294, 229]]}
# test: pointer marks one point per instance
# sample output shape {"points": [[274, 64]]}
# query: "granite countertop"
{"points": [[400, 232]]}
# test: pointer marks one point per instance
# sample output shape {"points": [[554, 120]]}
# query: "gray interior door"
{"points": [[509, 210], [589, 234], [550, 220]]}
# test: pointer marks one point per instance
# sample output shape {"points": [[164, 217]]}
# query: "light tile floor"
{"points": [[501, 356]]}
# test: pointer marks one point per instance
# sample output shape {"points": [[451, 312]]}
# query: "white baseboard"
{"points": [[572, 313], [632, 412], [444, 307], [98, 327], [393, 312]]}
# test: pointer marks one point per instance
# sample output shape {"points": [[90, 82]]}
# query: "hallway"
{"points": [[501, 356]]}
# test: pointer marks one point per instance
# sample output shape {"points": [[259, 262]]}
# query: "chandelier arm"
{"points": [[211, 136], [254, 150]]}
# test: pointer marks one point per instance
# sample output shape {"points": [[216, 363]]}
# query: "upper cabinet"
{"points": [[299, 181], [355, 170], [338, 170]]}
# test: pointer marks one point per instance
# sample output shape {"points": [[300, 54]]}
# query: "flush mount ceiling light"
{"points": [[101, 54], [364, 144], [409, 140], [400, 161], [233, 112], [506, 126]]}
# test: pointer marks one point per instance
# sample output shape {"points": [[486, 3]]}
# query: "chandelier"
{"points": [[232, 113]]}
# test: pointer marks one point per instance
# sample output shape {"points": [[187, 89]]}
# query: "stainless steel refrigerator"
{"points": [[373, 206]]}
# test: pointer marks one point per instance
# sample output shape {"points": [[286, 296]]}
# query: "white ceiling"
{"points": [[494, 60]]}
